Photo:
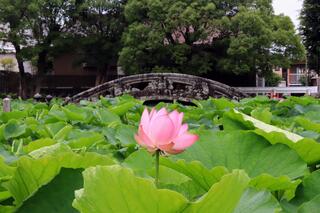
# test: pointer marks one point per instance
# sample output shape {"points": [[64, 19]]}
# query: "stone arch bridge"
{"points": [[161, 86]]}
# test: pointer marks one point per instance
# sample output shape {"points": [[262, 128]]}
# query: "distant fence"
{"points": [[50, 84], [9, 82], [62, 86], [280, 90]]}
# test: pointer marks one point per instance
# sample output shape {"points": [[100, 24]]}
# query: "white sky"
{"points": [[289, 8]]}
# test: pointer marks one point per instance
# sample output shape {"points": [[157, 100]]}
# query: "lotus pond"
{"points": [[256, 155]]}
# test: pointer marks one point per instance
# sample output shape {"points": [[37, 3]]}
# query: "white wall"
{"points": [[29, 68]]}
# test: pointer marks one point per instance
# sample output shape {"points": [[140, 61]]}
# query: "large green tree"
{"points": [[197, 36], [101, 24], [52, 28], [34, 28], [310, 30], [15, 21], [47, 28]]}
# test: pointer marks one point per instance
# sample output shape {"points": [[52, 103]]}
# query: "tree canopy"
{"points": [[101, 24], [187, 36], [199, 37], [15, 25], [310, 30], [41, 30]]}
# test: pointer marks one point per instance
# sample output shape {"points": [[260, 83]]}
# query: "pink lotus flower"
{"points": [[164, 131]]}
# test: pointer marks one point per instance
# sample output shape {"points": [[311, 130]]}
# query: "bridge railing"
{"points": [[280, 90]]}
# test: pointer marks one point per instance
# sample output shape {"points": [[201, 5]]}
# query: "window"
{"points": [[295, 76]]}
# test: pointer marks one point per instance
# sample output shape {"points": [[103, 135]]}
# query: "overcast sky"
{"points": [[288, 7]]}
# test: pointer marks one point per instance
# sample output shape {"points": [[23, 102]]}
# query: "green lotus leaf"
{"points": [[254, 201], [307, 124], [75, 113], [37, 144], [123, 108], [244, 150], [17, 115], [13, 129], [116, 189], [262, 114], [311, 206], [56, 113], [202, 176], [308, 149], [56, 196], [311, 187], [125, 134], [276, 184], [141, 162], [79, 139], [32, 174], [53, 128], [105, 116]]}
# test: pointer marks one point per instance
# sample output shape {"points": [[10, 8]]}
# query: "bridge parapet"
{"points": [[162, 86]]}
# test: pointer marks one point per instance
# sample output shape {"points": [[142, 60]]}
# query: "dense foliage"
{"points": [[310, 30], [256, 155], [101, 26], [42, 30], [14, 16], [193, 36], [205, 36]]}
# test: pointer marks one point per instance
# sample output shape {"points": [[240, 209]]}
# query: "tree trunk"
{"points": [[101, 76], [23, 89], [22, 82], [41, 66]]}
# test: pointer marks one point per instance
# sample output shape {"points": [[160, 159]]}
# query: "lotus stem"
{"points": [[157, 167]]}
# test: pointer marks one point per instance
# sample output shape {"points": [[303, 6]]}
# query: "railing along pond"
{"points": [[310, 90]]}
